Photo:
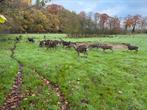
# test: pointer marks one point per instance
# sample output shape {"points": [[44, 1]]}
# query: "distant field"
{"points": [[102, 81]]}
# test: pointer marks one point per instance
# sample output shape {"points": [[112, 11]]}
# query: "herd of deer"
{"points": [[79, 47], [55, 43]]}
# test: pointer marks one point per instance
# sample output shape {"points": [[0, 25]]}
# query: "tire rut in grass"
{"points": [[13, 98], [64, 105]]}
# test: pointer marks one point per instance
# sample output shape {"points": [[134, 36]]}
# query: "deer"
{"points": [[106, 47], [81, 49], [65, 43], [31, 40], [131, 47]]}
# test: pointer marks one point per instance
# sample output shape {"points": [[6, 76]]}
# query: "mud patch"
{"points": [[118, 46]]}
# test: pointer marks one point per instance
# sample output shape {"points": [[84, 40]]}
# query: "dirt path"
{"points": [[64, 105], [13, 99]]}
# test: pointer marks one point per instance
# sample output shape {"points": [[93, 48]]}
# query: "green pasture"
{"points": [[102, 81]]}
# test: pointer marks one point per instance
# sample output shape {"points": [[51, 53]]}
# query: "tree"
{"points": [[114, 24], [136, 20], [70, 22], [128, 22], [132, 21], [82, 19], [90, 27], [55, 9], [144, 24], [96, 21], [103, 21], [41, 3]]}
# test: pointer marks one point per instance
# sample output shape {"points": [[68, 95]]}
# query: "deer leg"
{"points": [[48, 47], [86, 53], [78, 53]]}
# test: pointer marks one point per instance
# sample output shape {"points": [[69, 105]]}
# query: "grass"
{"points": [[106, 81], [8, 69], [37, 95]]}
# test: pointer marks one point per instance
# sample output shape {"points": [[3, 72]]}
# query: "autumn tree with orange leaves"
{"points": [[55, 18], [132, 22]]}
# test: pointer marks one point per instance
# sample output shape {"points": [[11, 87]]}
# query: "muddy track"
{"points": [[14, 98], [64, 105]]}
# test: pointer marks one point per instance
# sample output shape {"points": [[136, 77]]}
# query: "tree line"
{"points": [[56, 19]]}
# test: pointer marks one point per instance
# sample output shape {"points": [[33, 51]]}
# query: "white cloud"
{"points": [[113, 11], [111, 7]]}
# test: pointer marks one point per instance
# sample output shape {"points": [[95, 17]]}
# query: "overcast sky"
{"points": [[119, 8]]}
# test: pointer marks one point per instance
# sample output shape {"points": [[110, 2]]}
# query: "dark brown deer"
{"points": [[106, 47], [57, 42], [81, 49], [50, 44], [31, 40], [17, 39], [65, 43], [131, 47]]}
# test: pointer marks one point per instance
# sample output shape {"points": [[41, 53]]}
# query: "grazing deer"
{"points": [[31, 40], [65, 43], [81, 49], [50, 44], [106, 47], [17, 39]]}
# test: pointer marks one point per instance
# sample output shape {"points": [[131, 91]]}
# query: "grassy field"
{"points": [[102, 81]]}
